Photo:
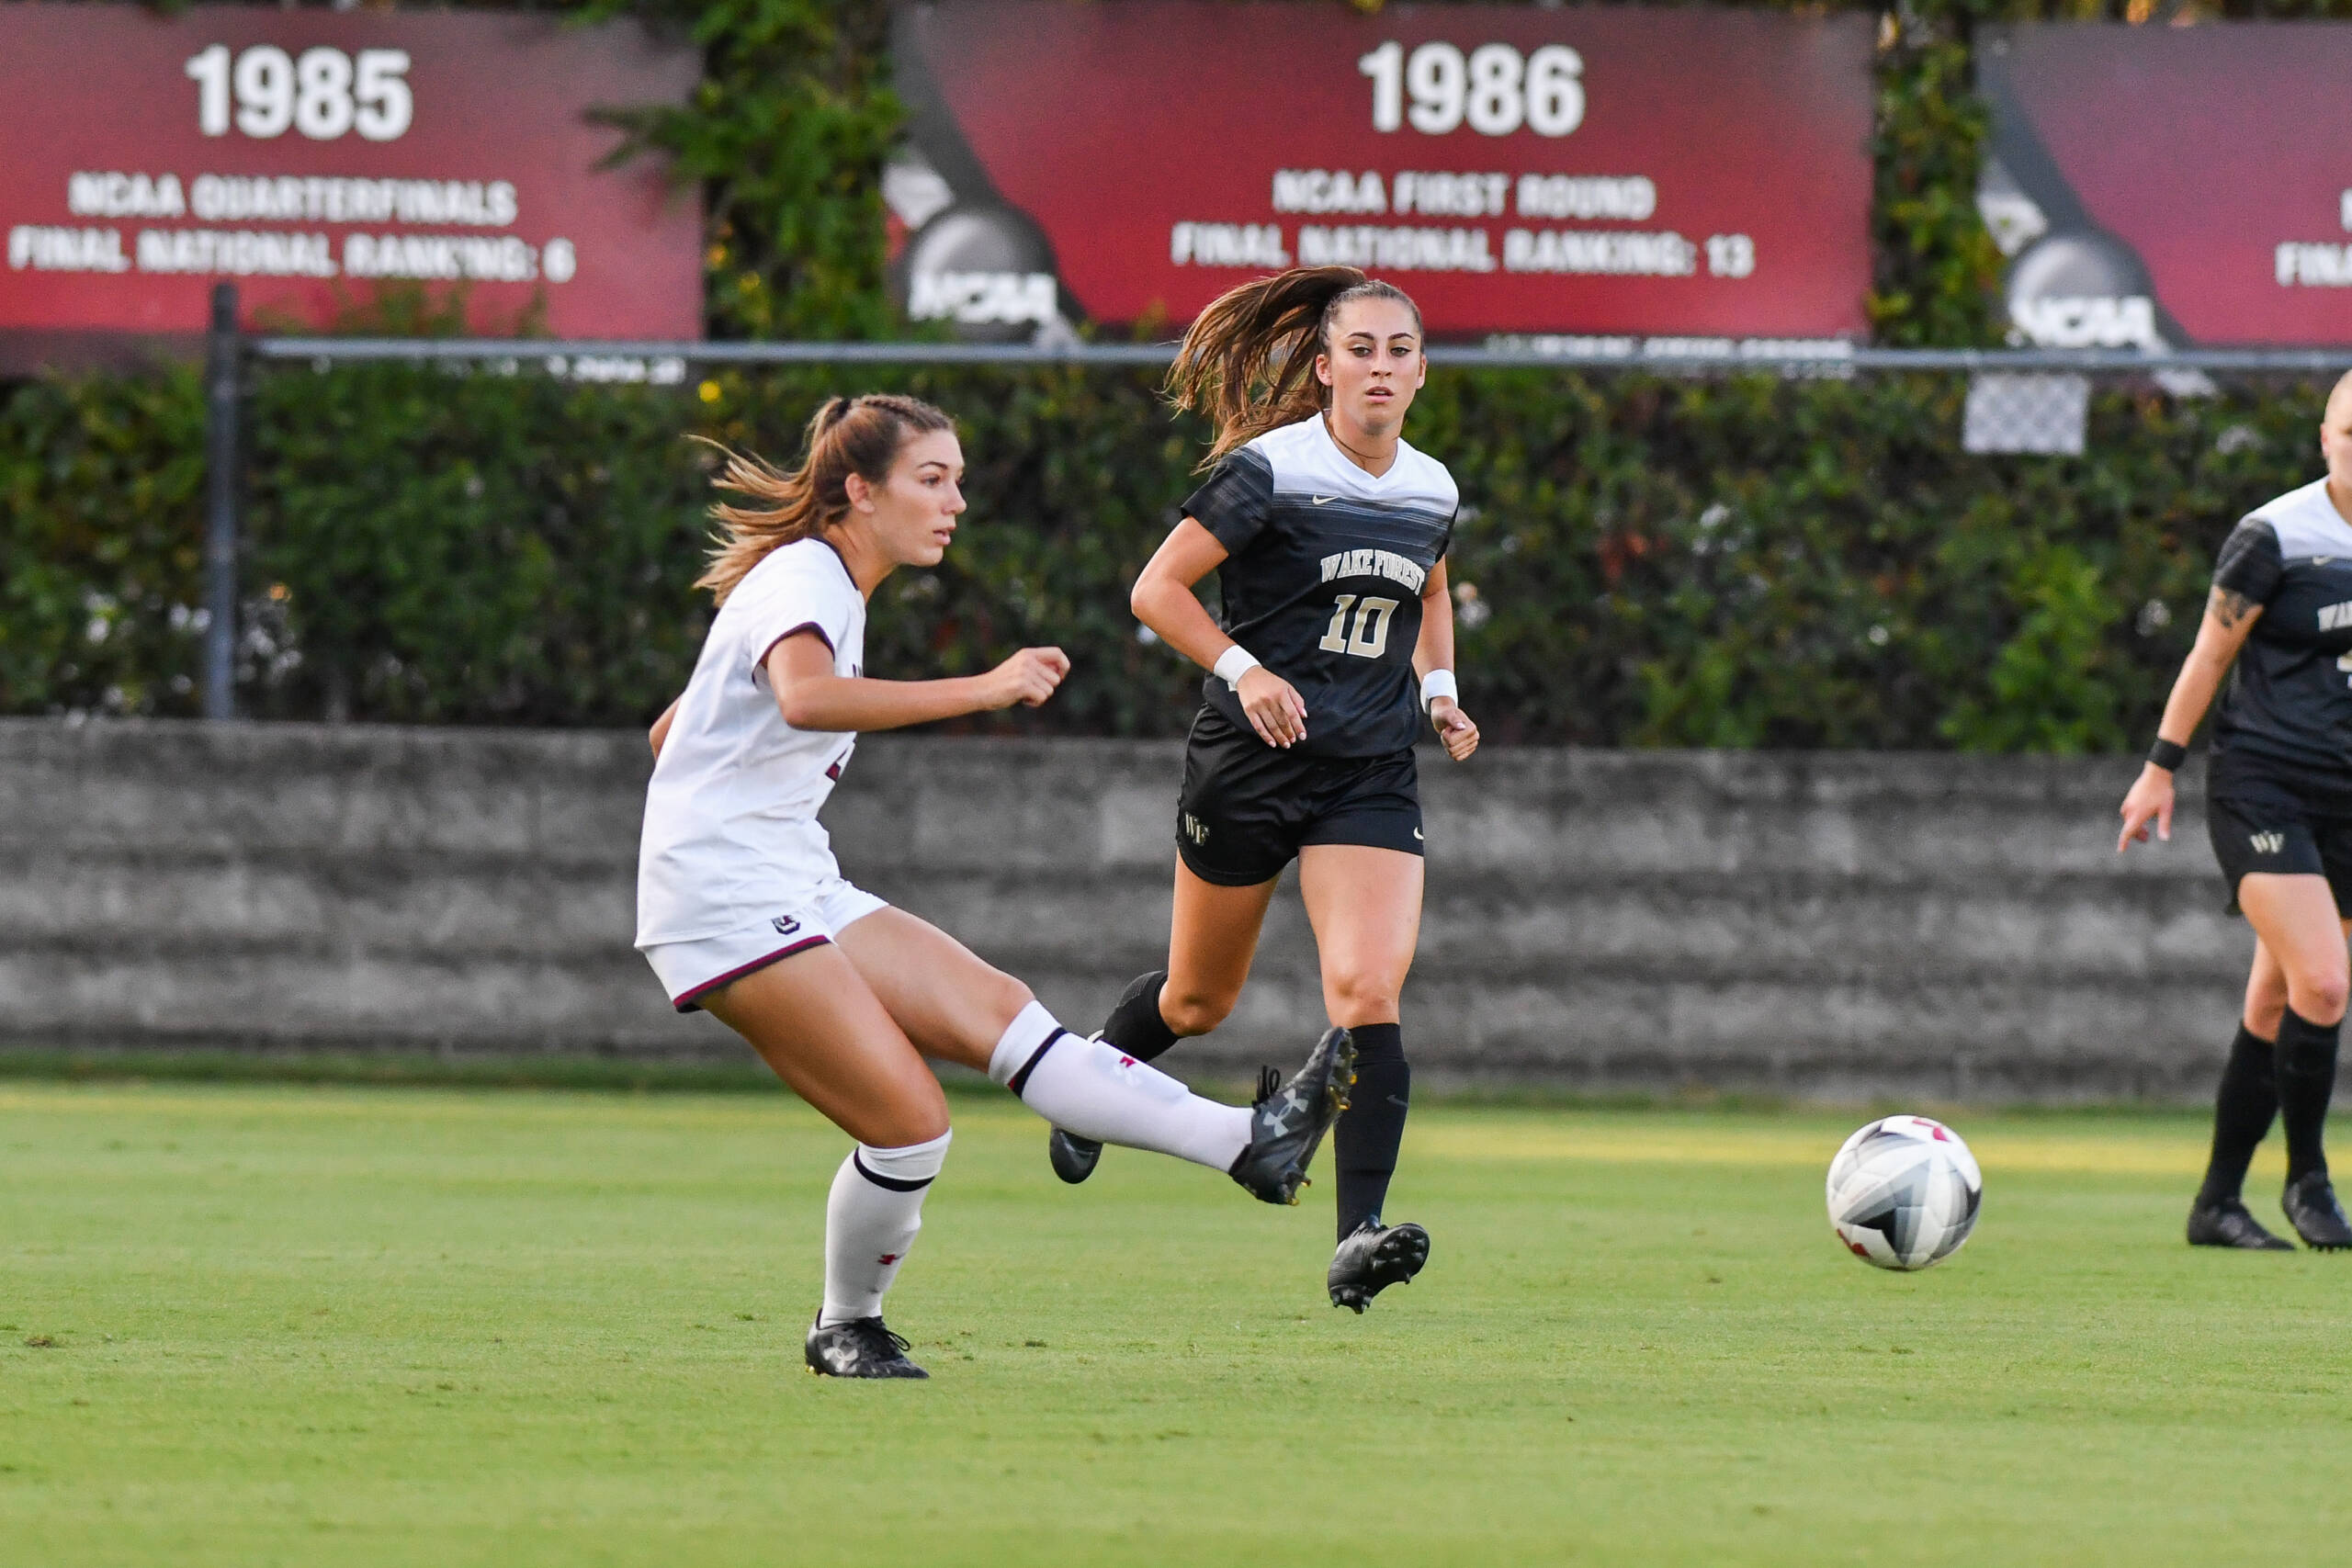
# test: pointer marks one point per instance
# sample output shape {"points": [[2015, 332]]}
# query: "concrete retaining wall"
{"points": [[1820, 924]]}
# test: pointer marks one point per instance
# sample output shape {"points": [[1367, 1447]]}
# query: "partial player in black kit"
{"points": [[2279, 809], [1328, 534]]}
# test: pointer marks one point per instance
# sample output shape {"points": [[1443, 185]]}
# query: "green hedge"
{"points": [[1654, 562]]}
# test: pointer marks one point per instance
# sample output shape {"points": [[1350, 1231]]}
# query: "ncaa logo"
{"points": [[784, 925]]}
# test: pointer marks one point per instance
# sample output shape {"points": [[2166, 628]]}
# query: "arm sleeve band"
{"points": [[1234, 663]]}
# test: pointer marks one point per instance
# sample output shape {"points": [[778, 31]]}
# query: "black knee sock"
{"points": [[2243, 1109], [2306, 1079], [1364, 1144], [1135, 1025]]}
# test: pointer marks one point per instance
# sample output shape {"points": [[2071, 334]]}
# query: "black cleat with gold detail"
{"points": [[1287, 1123]]}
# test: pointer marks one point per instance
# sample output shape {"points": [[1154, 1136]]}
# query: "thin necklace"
{"points": [[1360, 460]]}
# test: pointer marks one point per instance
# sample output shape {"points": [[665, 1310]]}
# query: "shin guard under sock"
{"points": [[870, 1222], [2244, 1108], [1094, 1089], [1135, 1025], [1364, 1144], [2306, 1080]]}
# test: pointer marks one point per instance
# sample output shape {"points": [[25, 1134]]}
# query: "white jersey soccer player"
{"points": [[743, 912], [734, 871]]}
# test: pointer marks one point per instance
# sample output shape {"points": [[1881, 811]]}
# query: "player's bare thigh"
{"points": [[952, 1004], [1365, 906], [829, 1037], [2268, 984], [1212, 936], [2295, 915]]}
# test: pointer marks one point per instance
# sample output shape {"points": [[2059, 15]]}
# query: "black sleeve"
{"points": [[2250, 564], [1233, 502]]}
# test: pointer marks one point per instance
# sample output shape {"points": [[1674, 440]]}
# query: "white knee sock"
{"points": [[1092, 1090], [871, 1221]]}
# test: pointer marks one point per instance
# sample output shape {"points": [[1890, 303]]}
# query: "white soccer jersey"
{"points": [[730, 817]]}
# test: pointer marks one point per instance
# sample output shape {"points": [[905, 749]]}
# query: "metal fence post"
{"points": [[223, 390]]}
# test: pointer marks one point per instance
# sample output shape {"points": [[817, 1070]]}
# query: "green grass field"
{"points": [[253, 1324]]}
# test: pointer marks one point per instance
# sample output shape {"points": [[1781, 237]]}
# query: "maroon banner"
{"points": [[1519, 169], [2172, 185], [308, 155]]}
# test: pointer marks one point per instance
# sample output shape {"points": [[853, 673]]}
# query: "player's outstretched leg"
{"points": [[1090, 1088], [1134, 1028], [2306, 1080], [2244, 1108]]}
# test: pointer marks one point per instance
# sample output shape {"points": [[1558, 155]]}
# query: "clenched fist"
{"points": [[1027, 678]]}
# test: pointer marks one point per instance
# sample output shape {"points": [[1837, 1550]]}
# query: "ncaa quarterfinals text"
{"points": [[264, 94]]}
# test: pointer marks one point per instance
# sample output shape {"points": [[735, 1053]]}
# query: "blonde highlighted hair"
{"points": [[847, 436], [1248, 361]]}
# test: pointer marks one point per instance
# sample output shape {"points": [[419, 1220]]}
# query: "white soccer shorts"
{"points": [[689, 970]]}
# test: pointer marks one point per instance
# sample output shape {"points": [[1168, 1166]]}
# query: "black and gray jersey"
{"points": [[2287, 711], [1323, 575]]}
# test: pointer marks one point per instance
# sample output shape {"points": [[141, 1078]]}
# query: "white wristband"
{"points": [[1438, 684], [1234, 663]]}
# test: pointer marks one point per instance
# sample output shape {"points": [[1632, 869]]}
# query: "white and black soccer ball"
{"points": [[1903, 1192]]}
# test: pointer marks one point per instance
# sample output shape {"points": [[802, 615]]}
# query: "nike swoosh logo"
{"points": [[1416, 833], [1319, 500]]}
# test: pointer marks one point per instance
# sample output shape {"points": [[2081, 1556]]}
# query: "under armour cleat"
{"points": [[2227, 1224], [859, 1347], [1073, 1158], [1374, 1257], [1287, 1123], [2311, 1207]]}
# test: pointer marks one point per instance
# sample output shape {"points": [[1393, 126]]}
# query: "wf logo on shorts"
{"points": [[2267, 843], [1192, 828]]}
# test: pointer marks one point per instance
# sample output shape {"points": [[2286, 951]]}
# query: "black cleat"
{"points": [[2227, 1224], [2318, 1218], [860, 1348], [1073, 1158], [1287, 1123], [1374, 1257]]}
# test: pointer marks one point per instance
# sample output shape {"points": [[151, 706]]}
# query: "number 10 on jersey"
{"points": [[1369, 639]]}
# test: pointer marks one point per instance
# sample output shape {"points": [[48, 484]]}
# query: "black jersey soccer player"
{"points": [[1328, 534], [743, 910], [2279, 809]]}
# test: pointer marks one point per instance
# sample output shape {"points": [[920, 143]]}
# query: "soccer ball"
{"points": [[1903, 1192]]}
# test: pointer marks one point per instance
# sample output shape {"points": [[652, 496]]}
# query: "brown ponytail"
{"points": [[1249, 360], [847, 436]]}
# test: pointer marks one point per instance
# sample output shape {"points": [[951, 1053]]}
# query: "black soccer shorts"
{"points": [[1246, 809], [2261, 827]]}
